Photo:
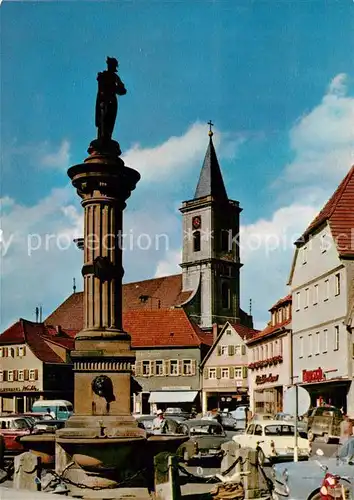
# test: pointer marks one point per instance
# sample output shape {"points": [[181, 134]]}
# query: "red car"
{"points": [[13, 428]]}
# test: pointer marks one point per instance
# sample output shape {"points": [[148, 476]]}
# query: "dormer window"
{"points": [[196, 241], [274, 318]]}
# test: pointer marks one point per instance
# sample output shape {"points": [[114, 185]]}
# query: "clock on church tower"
{"points": [[196, 222]]}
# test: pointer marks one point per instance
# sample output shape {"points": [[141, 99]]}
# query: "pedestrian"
{"points": [[346, 429], [159, 424]]}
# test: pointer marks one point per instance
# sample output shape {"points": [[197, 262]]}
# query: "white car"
{"points": [[276, 440]]}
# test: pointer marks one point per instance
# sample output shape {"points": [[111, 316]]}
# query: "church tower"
{"points": [[211, 257]]}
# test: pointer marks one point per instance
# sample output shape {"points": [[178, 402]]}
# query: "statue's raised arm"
{"points": [[109, 86]]}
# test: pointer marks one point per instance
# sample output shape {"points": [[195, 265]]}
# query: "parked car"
{"points": [[263, 416], [146, 422], [205, 439], [177, 414], [225, 419], [60, 408], [324, 422], [301, 424], [311, 473], [13, 428], [275, 439], [239, 414]]}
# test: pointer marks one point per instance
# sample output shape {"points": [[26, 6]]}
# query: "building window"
{"points": [[212, 373], [225, 243], [187, 367], [271, 350], [280, 352], [304, 255], [325, 340], [1, 376], [301, 347], [225, 296], [337, 284], [21, 375], [287, 312], [297, 301], [146, 369], [224, 373], [1, 352], [307, 298], [318, 343], [315, 295], [159, 368], [196, 241], [238, 350], [238, 372], [274, 320], [10, 376], [326, 292], [21, 351], [336, 338], [266, 351], [12, 352], [310, 345], [228, 331], [173, 367], [280, 316], [224, 350]]}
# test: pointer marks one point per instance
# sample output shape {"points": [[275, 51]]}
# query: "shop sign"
{"points": [[266, 379], [313, 375], [25, 388]]}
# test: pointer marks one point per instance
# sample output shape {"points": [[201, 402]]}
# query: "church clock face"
{"points": [[196, 222]]}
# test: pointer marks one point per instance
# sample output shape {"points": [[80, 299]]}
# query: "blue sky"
{"points": [[276, 78]]}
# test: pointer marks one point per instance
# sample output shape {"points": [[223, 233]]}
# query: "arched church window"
{"points": [[225, 296], [196, 241], [225, 243]]}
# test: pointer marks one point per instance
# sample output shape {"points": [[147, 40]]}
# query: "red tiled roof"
{"points": [[280, 302], [245, 332], [269, 330], [34, 335], [339, 212], [163, 327], [167, 289]]}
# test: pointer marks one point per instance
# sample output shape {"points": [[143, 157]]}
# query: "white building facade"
{"points": [[321, 282]]}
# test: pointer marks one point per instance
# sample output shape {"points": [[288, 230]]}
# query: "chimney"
{"points": [[37, 314], [215, 331], [40, 314]]}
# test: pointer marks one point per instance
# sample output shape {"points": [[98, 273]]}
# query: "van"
{"points": [[324, 421], [62, 409]]}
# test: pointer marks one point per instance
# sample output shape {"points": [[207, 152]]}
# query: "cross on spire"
{"points": [[210, 130]]}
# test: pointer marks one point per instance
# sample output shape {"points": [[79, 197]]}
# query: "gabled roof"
{"points": [[211, 182], [244, 332], [339, 213], [169, 327], [167, 289], [34, 335], [271, 330], [281, 302]]}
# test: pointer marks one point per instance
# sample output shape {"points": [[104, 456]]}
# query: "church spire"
{"points": [[210, 181]]}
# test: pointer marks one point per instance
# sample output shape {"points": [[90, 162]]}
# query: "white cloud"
{"points": [[170, 265], [323, 140], [57, 159], [177, 154]]}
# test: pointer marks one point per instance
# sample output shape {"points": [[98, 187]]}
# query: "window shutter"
{"points": [[36, 374], [5, 375], [167, 367], [243, 349], [206, 373], [218, 350], [244, 372], [232, 372], [194, 366], [6, 352], [152, 368], [17, 351], [180, 367], [218, 372], [231, 350], [15, 375], [26, 374], [24, 350]]}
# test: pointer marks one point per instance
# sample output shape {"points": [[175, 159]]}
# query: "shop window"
{"points": [[21, 375], [337, 284], [146, 368], [159, 368], [212, 373], [225, 373], [225, 296], [336, 338], [187, 367], [174, 367], [196, 241]]}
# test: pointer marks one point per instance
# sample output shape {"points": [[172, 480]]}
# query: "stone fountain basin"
{"points": [[42, 445]]}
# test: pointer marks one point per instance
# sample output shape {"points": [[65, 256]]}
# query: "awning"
{"points": [[172, 396]]}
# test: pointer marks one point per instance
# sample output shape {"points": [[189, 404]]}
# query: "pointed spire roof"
{"points": [[210, 181]]}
